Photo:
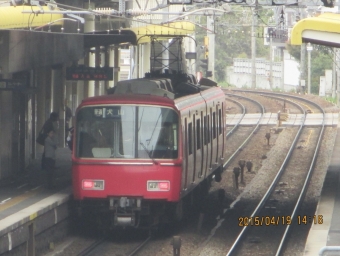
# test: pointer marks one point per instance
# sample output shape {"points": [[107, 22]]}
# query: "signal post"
{"points": [[281, 117]]}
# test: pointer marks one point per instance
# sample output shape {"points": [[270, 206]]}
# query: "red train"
{"points": [[143, 151]]}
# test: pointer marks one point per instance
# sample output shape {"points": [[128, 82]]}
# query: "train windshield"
{"points": [[127, 132]]}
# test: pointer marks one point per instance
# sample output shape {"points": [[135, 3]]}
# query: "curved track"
{"points": [[260, 216], [249, 130]]}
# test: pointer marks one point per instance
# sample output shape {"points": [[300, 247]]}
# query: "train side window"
{"points": [[205, 130], [186, 136], [190, 138], [220, 121], [214, 125], [208, 129], [198, 134]]}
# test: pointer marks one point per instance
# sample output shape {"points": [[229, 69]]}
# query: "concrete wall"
{"points": [[40, 59], [284, 78], [244, 81], [27, 49], [6, 133]]}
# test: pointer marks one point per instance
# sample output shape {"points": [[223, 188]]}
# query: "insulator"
{"points": [[107, 11]]}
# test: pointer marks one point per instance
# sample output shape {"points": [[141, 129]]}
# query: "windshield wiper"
{"points": [[148, 152]]}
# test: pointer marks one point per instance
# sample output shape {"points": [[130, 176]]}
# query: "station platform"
{"points": [[293, 119], [324, 239], [25, 199]]}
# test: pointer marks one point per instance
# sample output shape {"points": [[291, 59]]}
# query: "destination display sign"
{"points": [[89, 73], [12, 84]]}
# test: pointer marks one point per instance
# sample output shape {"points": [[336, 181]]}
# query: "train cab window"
{"points": [[127, 132], [105, 132], [157, 132], [198, 134], [190, 138]]}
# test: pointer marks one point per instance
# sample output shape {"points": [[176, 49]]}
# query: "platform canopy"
{"points": [[170, 30], [323, 30], [13, 17], [138, 35]]}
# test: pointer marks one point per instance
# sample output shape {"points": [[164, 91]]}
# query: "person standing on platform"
{"points": [[50, 124], [49, 163], [68, 116]]}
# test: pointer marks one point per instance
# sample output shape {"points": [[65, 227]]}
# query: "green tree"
{"points": [[294, 50], [233, 38], [320, 61]]}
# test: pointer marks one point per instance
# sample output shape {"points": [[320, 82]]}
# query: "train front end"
{"points": [[126, 160]]}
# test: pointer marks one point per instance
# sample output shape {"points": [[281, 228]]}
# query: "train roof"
{"points": [[158, 91], [128, 99]]}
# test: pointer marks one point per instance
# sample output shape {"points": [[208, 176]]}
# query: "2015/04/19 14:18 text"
{"points": [[278, 220]]}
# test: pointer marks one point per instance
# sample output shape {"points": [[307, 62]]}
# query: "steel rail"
{"points": [[280, 95], [239, 121], [251, 134], [305, 184], [239, 238], [91, 248], [139, 247]]}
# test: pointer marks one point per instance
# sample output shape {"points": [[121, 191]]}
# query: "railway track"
{"points": [[103, 246], [264, 224], [243, 108], [309, 106], [92, 247], [248, 132]]}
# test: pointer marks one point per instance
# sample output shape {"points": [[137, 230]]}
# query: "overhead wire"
{"points": [[105, 14], [30, 23], [134, 19]]}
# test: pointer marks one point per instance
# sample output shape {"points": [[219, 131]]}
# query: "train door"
{"points": [[211, 141], [191, 159], [220, 147], [214, 138], [207, 141], [185, 155], [223, 125], [217, 135]]}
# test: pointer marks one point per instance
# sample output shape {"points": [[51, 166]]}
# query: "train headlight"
{"points": [[158, 185], [92, 184]]}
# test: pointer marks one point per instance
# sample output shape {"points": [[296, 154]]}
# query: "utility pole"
{"points": [[334, 73], [271, 60], [336, 60], [253, 48], [211, 36], [337, 79], [303, 67], [309, 50], [165, 54]]}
